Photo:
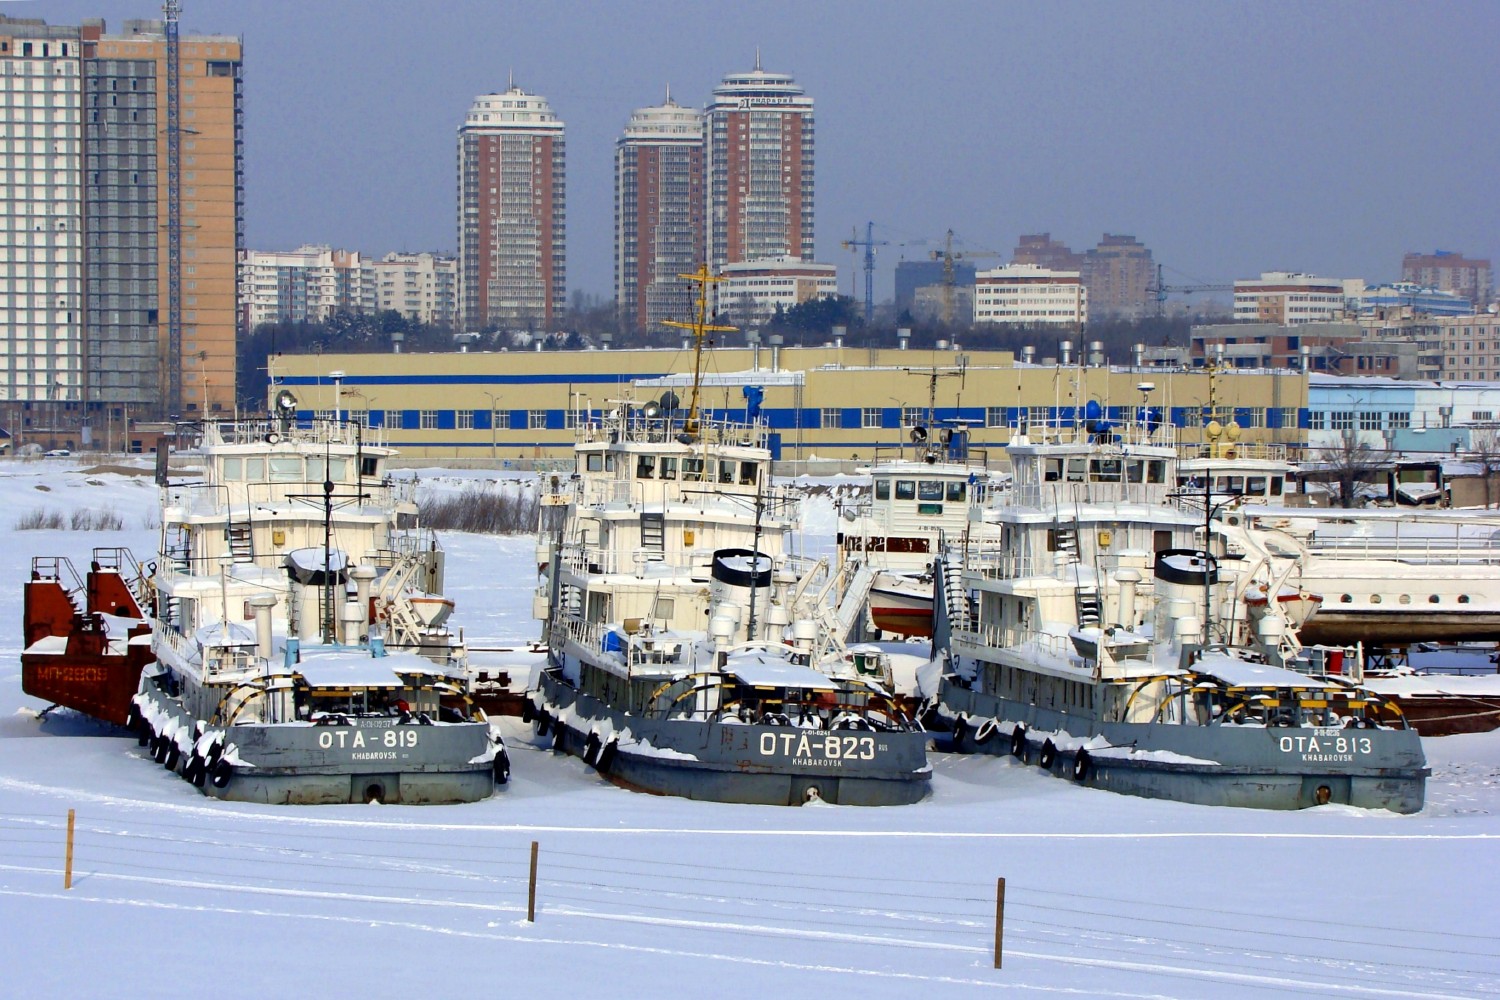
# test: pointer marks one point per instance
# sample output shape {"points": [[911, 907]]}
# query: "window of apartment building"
{"points": [[536, 420], [428, 420], [465, 420], [869, 416], [500, 419], [831, 416], [1369, 420], [1342, 420]]}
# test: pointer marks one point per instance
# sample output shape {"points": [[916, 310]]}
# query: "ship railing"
{"points": [[309, 431], [226, 499], [595, 560], [1076, 431], [1421, 551], [698, 490], [631, 425], [1255, 450], [998, 637], [1053, 494]]}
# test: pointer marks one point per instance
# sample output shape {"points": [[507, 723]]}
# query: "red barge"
{"points": [[86, 639]]}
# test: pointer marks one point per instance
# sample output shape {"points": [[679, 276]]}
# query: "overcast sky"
{"points": [[1230, 138]]}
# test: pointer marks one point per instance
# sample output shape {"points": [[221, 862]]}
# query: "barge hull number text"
{"points": [[830, 747], [1326, 745], [345, 739]]}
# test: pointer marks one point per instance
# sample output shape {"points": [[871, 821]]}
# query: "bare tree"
{"points": [[1350, 462]]}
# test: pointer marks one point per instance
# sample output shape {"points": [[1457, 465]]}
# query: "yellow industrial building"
{"points": [[825, 402]]}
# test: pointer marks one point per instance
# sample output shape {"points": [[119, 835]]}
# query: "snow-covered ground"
{"points": [[638, 896]]}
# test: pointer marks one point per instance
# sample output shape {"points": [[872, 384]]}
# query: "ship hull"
{"points": [[749, 764], [1293, 767], [901, 606], [376, 759], [1401, 626]]}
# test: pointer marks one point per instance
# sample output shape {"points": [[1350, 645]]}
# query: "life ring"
{"points": [[221, 774], [606, 757], [1082, 765], [1018, 742], [591, 748], [1048, 755], [502, 767], [960, 731], [543, 723]]}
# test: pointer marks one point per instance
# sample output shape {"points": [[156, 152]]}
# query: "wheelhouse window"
{"points": [[692, 470], [930, 489], [956, 490], [668, 467], [882, 489], [747, 473], [645, 467], [906, 489]]}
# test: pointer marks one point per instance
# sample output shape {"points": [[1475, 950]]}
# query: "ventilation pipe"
{"points": [[839, 332], [1066, 349], [752, 340], [903, 337], [1028, 355], [362, 576], [1096, 354], [1138, 355], [776, 341], [605, 339], [263, 603]]}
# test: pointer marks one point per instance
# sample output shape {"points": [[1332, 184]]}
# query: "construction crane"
{"points": [[1161, 290], [948, 255], [171, 391], [869, 243]]}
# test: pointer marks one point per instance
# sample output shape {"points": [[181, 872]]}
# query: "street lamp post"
{"points": [[494, 440]]}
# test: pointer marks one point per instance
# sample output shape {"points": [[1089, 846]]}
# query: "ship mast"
{"points": [[699, 327]]}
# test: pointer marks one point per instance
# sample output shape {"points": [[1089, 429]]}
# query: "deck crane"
{"points": [[1160, 290], [869, 243], [948, 255]]}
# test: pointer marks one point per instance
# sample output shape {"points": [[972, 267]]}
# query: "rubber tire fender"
{"points": [[502, 767], [960, 731], [528, 711], [221, 774], [606, 758], [1018, 742], [159, 749], [591, 748], [543, 723], [1083, 766], [1048, 755], [559, 732], [174, 754]]}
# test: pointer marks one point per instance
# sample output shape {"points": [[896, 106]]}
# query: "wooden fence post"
{"points": [[531, 889], [68, 861], [999, 919]]}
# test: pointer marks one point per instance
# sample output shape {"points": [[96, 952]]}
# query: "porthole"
{"points": [[1433, 599], [1405, 598], [1374, 598], [1346, 599], [1463, 598]]}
